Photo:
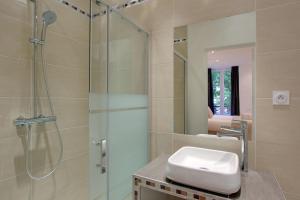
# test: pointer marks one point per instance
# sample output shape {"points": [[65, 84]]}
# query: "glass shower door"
{"points": [[118, 103], [98, 102], [128, 104]]}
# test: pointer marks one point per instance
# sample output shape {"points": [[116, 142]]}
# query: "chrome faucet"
{"points": [[240, 132]]}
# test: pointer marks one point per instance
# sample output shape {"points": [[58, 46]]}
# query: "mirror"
{"points": [[213, 74]]}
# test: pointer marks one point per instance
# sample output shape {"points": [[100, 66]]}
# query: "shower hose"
{"points": [[29, 134]]}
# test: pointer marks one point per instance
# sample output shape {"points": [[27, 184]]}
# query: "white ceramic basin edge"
{"points": [[216, 171]]}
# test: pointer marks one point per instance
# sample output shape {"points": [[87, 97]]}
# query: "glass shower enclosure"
{"points": [[118, 103]]}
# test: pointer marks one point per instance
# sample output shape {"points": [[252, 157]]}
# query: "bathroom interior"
{"points": [[149, 100]]}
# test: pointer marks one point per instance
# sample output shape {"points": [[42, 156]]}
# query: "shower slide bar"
{"points": [[21, 121]]}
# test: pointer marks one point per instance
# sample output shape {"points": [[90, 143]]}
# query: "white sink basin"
{"points": [[216, 171]]}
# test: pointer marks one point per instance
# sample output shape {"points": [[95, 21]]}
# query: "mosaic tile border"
{"points": [[180, 40], [170, 189], [74, 7], [127, 4]]}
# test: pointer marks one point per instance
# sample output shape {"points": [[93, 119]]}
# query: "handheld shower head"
{"points": [[49, 17]]}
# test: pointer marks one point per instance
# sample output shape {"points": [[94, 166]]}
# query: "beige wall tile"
{"points": [[278, 71], [12, 158], [285, 170], [17, 10], [69, 79], [162, 46], [14, 38], [61, 50], [164, 117], [274, 149], [164, 144], [179, 88], [64, 82], [162, 81], [15, 188], [44, 150], [76, 191], [279, 159], [153, 146], [76, 142], [20, 85], [154, 115], [69, 182], [202, 10], [290, 196], [10, 109], [71, 112], [276, 124], [161, 14], [278, 28], [260, 4], [179, 115]]}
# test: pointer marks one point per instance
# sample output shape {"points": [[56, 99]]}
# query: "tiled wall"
{"points": [[278, 42], [67, 58], [278, 129]]}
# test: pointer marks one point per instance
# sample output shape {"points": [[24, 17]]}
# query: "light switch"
{"points": [[281, 97]]}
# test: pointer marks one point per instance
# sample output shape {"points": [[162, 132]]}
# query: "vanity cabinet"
{"points": [[150, 183]]}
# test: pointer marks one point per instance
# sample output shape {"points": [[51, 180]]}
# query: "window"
{"points": [[221, 81]]}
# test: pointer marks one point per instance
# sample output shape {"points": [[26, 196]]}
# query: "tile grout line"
{"points": [[266, 53], [82, 154], [275, 6], [83, 99]]}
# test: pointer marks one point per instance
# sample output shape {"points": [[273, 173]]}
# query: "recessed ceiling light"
{"points": [[212, 52], [217, 60]]}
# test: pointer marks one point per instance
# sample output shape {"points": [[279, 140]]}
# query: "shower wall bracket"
{"points": [[36, 41], [21, 121]]}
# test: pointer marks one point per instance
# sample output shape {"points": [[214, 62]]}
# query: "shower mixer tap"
{"points": [[22, 121]]}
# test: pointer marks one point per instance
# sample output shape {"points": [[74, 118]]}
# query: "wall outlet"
{"points": [[281, 97]]}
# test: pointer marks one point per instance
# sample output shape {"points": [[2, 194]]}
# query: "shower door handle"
{"points": [[103, 155]]}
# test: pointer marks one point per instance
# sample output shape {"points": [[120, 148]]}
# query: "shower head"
{"points": [[49, 17]]}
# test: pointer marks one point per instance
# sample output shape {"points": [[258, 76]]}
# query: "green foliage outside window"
{"points": [[227, 91], [222, 106]]}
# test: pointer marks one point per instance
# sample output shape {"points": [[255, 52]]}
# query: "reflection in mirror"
{"points": [[229, 87], [213, 73]]}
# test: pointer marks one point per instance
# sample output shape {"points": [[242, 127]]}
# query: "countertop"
{"points": [[255, 185]]}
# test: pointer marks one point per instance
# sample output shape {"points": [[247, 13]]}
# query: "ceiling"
{"points": [[224, 58]]}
